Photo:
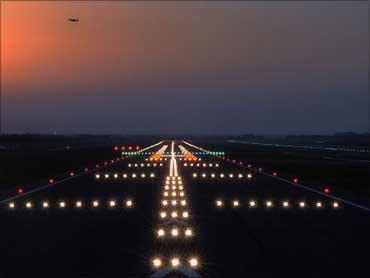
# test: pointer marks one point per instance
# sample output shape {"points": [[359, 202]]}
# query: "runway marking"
{"points": [[174, 220]]}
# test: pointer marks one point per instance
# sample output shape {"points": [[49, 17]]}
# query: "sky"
{"points": [[185, 67]]}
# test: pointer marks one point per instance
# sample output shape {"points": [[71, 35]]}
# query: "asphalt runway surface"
{"points": [[242, 241]]}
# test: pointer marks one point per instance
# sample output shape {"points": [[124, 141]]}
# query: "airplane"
{"points": [[73, 19]]}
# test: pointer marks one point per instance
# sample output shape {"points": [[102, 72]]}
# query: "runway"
{"points": [[109, 222]]}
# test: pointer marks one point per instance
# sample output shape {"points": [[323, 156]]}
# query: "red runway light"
{"points": [[326, 190], [130, 148], [295, 180], [51, 181], [249, 165], [116, 148], [105, 163], [260, 169], [20, 190], [123, 148], [240, 163], [137, 147], [274, 174], [71, 174], [86, 169], [97, 165]]}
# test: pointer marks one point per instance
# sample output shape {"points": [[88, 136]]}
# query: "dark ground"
{"points": [[241, 242]]}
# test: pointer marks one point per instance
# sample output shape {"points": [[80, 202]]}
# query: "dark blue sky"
{"points": [[185, 67]]}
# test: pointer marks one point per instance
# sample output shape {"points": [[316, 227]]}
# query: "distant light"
{"points": [[185, 214], [78, 204], [274, 174], [51, 180], [163, 214], [11, 205], [20, 190], [97, 176], [71, 174], [95, 204], [106, 176], [174, 214], [240, 176], [174, 202], [164, 202], [112, 203], [231, 175], [194, 175], [269, 204], [335, 205], [302, 204], [28, 205], [285, 204], [295, 180], [252, 203], [326, 190], [249, 176], [318, 204], [62, 204], [183, 202]]}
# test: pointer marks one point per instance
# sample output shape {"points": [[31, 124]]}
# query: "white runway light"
{"points": [[163, 214], [285, 204], [252, 203], [129, 203], [28, 205], [335, 205], [318, 204], [62, 204], [161, 233], [157, 262], [11, 205], [175, 262], [193, 262], [45, 204], [188, 232], [174, 232], [236, 203], [95, 204], [219, 203]]}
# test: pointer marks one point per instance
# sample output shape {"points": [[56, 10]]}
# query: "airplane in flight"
{"points": [[73, 19]]}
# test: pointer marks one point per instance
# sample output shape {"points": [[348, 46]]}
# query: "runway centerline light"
{"points": [[175, 262], [174, 232]]}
